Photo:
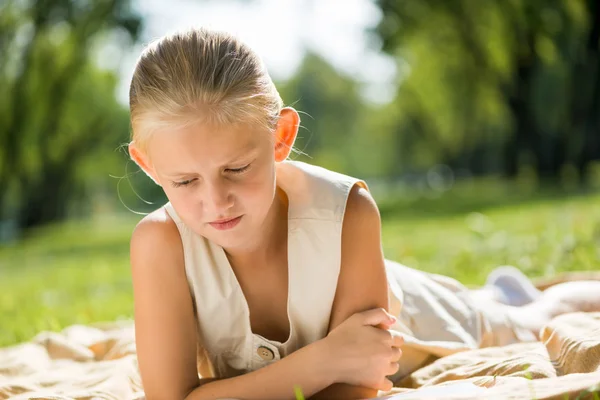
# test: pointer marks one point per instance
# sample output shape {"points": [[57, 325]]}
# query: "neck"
{"points": [[273, 235]]}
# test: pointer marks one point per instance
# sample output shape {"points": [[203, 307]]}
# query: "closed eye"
{"points": [[238, 170], [182, 183]]}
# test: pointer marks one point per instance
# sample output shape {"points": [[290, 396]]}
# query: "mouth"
{"points": [[224, 224]]}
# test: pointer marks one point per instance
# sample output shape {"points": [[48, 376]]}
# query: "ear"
{"points": [[141, 159], [286, 132]]}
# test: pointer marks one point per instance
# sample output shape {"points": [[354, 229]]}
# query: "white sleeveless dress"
{"points": [[435, 313]]}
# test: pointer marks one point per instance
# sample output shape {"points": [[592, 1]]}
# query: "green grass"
{"points": [[78, 272], [542, 237]]}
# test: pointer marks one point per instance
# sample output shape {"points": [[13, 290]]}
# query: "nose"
{"points": [[218, 199]]}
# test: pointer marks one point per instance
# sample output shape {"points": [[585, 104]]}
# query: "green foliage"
{"points": [[61, 107], [339, 129], [298, 393], [506, 87], [496, 84], [329, 104]]}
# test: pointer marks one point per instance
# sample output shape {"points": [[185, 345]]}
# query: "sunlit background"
{"points": [[475, 123]]}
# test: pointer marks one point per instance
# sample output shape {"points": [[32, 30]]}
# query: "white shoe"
{"points": [[511, 286]]}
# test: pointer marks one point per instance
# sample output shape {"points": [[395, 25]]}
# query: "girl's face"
{"points": [[220, 180]]}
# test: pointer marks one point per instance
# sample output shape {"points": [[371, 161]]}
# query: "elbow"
{"points": [[169, 394], [192, 394]]}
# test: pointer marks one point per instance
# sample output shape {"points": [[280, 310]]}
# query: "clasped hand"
{"points": [[364, 350]]}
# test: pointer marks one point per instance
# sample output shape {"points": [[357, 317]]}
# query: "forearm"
{"points": [[335, 391], [305, 368]]}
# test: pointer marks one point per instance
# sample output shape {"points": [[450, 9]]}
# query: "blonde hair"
{"points": [[200, 75]]}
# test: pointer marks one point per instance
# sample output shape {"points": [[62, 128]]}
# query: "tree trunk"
{"points": [[524, 130], [591, 129]]}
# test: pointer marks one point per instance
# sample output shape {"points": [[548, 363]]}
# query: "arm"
{"points": [[362, 283], [166, 333], [305, 367]]}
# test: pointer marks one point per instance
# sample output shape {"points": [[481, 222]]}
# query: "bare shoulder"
{"points": [[361, 211], [361, 232], [156, 235], [156, 258], [156, 254], [155, 228]]}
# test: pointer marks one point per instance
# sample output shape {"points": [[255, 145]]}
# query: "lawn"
{"points": [[78, 272]]}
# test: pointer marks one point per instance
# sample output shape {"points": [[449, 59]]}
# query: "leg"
{"points": [[578, 296]]}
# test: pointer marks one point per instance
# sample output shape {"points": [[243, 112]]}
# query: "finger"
{"points": [[385, 326], [386, 385], [385, 336], [393, 368], [377, 316], [397, 340], [395, 354]]}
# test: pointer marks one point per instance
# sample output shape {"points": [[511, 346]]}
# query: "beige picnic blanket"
{"points": [[99, 362], [81, 362], [564, 364]]}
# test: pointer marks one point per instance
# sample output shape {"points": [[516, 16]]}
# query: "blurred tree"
{"points": [[518, 75], [339, 129], [58, 107], [330, 108]]}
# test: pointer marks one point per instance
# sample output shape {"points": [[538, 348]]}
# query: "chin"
{"points": [[227, 239]]}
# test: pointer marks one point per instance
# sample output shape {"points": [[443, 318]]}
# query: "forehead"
{"points": [[204, 144]]}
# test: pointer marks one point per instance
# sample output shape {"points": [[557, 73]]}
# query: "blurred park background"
{"points": [[475, 123]]}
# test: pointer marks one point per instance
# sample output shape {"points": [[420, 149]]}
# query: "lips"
{"points": [[222, 221], [225, 224]]}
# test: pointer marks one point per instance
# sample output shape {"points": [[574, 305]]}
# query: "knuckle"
{"points": [[387, 385], [398, 340], [386, 335], [385, 349]]}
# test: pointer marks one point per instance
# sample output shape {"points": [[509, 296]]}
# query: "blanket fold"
{"points": [[564, 364]]}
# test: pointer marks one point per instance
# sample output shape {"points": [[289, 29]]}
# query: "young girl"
{"points": [[262, 274]]}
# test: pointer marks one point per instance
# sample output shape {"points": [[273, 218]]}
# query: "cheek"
{"points": [[183, 201], [256, 192]]}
